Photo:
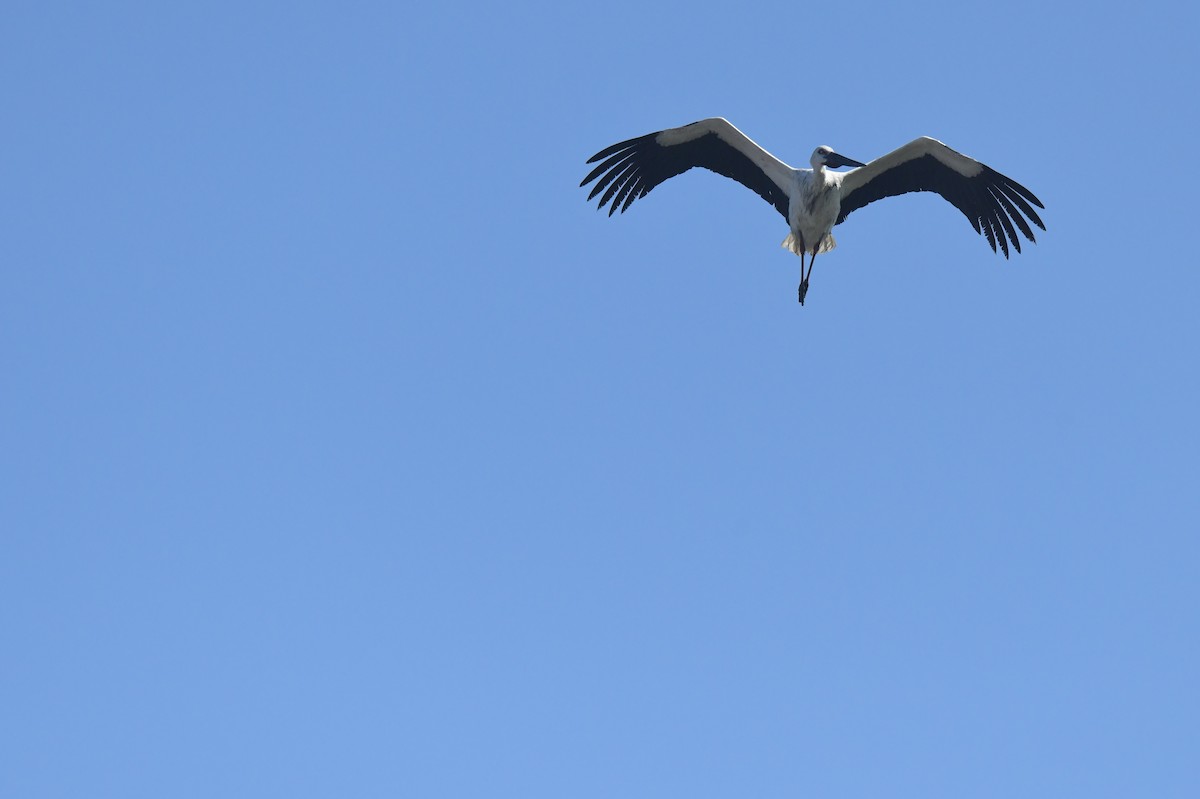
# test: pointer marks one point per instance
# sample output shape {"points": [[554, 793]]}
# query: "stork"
{"points": [[813, 200]]}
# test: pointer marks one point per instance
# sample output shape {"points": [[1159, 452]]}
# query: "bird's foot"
{"points": [[803, 290]]}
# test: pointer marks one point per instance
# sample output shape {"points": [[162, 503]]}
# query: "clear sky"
{"points": [[345, 450]]}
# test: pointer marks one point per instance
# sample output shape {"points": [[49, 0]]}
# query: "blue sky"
{"points": [[347, 451]]}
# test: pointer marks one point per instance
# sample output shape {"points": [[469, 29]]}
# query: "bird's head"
{"points": [[825, 156]]}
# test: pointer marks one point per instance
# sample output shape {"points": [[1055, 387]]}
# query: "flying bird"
{"points": [[813, 200]]}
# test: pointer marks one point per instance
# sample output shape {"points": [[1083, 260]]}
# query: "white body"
{"points": [[816, 199]]}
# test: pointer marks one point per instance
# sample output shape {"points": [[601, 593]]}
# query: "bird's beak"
{"points": [[835, 160]]}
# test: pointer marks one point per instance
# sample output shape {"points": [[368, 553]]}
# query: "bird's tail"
{"points": [[793, 243]]}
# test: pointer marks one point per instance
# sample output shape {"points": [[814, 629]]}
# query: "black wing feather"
{"points": [[991, 202], [635, 167]]}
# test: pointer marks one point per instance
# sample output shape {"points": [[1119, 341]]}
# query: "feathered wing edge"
{"points": [[633, 168], [995, 205]]}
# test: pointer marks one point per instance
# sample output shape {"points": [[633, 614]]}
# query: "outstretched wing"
{"points": [[991, 202], [633, 168]]}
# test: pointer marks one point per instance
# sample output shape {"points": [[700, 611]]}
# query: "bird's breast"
{"points": [[814, 208]]}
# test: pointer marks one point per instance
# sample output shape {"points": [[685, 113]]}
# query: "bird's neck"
{"points": [[820, 177]]}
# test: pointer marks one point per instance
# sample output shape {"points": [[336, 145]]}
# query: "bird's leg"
{"points": [[803, 280], [812, 259], [804, 283]]}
